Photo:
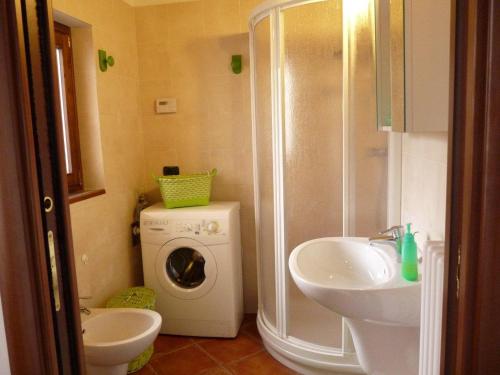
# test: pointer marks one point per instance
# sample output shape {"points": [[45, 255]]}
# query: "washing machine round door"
{"points": [[186, 268]]}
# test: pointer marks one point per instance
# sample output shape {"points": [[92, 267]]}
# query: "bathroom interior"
{"points": [[324, 119]]}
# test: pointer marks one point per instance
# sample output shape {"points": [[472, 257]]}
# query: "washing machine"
{"points": [[192, 259]]}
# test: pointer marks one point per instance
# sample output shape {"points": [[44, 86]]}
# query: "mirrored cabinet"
{"points": [[413, 53]]}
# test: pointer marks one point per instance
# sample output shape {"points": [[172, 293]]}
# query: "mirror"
{"points": [[390, 64]]}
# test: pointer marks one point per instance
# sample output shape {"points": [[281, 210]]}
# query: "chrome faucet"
{"points": [[391, 236], [84, 310]]}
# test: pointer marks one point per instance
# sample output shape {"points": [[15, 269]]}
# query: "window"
{"points": [[69, 117]]}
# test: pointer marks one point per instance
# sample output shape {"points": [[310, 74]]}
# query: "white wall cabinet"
{"points": [[428, 76]]}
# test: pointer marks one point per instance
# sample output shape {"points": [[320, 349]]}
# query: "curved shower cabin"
{"points": [[320, 165]]}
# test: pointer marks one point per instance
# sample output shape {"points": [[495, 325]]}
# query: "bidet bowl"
{"points": [[115, 336], [356, 280]]}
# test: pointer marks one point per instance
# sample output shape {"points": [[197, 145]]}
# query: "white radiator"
{"points": [[431, 308]]}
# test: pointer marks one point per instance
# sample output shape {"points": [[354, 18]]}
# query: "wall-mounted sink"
{"points": [[363, 283]]}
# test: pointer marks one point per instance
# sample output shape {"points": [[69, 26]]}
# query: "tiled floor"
{"points": [[244, 355]]}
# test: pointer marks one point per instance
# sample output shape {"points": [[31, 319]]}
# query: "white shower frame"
{"points": [[306, 357], [296, 353]]}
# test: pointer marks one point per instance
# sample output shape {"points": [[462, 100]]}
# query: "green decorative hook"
{"points": [[105, 61], [236, 64]]}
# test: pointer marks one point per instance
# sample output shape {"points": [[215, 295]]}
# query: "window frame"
{"points": [[62, 36]]}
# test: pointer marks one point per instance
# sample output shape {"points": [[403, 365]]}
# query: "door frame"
{"points": [[472, 294], [41, 339]]}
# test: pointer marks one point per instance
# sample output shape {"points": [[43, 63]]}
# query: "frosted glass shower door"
{"points": [[264, 159], [312, 96]]}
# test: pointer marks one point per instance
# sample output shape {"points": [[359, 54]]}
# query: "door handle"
{"points": [[53, 270]]}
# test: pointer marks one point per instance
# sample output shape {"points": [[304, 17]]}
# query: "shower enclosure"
{"points": [[320, 165]]}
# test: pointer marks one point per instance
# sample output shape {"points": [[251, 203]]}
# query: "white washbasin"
{"points": [[363, 283], [357, 280], [339, 263], [113, 337]]}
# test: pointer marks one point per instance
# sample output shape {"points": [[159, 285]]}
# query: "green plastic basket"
{"points": [[186, 190], [139, 298]]}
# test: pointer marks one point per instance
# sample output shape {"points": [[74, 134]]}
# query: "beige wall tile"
{"points": [[246, 7], [185, 21], [221, 17], [154, 62], [152, 24], [423, 201]]}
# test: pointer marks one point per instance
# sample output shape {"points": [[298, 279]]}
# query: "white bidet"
{"points": [[113, 337]]}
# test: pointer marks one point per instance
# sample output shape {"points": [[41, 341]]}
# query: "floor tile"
{"points": [[198, 339], [169, 343], [188, 361], [217, 371], [244, 355], [146, 370], [259, 364], [228, 350]]}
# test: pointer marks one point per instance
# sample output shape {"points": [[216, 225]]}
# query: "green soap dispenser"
{"points": [[409, 261]]}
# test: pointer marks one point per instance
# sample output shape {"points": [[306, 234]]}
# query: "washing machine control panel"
{"points": [[208, 230], [212, 228]]}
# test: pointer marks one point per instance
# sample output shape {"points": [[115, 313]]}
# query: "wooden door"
{"points": [[37, 275], [471, 337]]}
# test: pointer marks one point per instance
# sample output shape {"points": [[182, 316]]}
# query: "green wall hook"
{"points": [[105, 61], [236, 64]]}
